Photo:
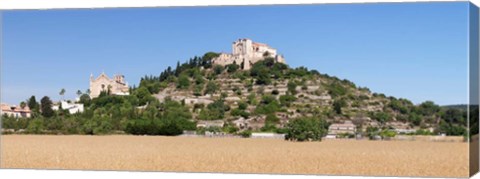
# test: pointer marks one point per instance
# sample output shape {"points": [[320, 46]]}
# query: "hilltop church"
{"points": [[245, 53], [117, 85]]}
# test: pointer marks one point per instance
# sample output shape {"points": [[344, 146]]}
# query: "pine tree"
{"points": [[46, 106]]}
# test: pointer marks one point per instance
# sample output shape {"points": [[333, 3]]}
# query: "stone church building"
{"points": [[117, 85], [245, 53]]}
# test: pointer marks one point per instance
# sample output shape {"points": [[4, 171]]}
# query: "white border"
{"points": [[79, 4]]}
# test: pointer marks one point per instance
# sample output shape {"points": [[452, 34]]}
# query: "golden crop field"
{"points": [[235, 155]]}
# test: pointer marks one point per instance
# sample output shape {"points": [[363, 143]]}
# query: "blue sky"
{"points": [[416, 51]]}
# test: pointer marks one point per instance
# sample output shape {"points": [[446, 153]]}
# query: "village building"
{"points": [[198, 100], [15, 111], [116, 85], [341, 128], [268, 135], [207, 124], [245, 53], [71, 107]]}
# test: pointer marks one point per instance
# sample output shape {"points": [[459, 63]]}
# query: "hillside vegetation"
{"points": [[265, 98]]}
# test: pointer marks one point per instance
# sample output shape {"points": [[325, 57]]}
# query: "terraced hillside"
{"points": [[268, 96]]}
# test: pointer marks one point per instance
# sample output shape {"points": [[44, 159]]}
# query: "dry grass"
{"points": [[148, 153]]}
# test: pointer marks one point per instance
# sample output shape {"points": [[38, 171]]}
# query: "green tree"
{"points": [[183, 82], [381, 117], [79, 93], [218, 69], [23, 104], [414, 118], [143, 95], [232, 68], [336, 89], [451, 129], [211, 87], [46, 107], [246, 133], [199, 79], [32, 103], [287, 100], [272, 119], [35, 126], [242, 105], [173, 119], [239, 112], [306, 129], [456, 116], [214, 111], [268, 105], [428, 108], [338, 105], [399, 105], [62, 93], [252, 99], [292, 87], [85, 99], [207, 59]]}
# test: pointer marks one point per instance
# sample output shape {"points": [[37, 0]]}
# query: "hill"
{"points": [[270, 94]]}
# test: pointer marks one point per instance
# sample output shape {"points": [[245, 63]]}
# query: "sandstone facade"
{"points": [[245, 53], [117, 85]]}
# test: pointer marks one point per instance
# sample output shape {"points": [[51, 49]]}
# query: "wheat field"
{"points": [[235, 155]]}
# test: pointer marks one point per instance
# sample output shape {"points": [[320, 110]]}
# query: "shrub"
{"points": [[232, 68], [271, 118], [231, 129], [338, 105], [183, 82], [336, 89], [239, 112], [246, 133], [35, 126], [242, 105], [287, 100], [388, 134], [268, 127], [211, 87], [218, 69], [292, 86]]}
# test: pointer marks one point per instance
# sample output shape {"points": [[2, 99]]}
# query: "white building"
{"points": [[207, 124], [71, 107], [268, 135], [245, 53], [14, 111], [338, 128]]}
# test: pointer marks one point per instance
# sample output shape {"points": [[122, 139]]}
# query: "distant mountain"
{"points": [[456, 106]]}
